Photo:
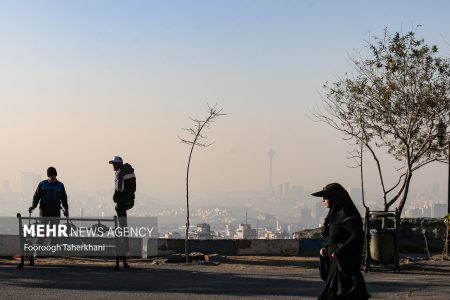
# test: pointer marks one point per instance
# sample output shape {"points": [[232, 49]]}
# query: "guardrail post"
{"points": [[21, 238], [117, 267]]}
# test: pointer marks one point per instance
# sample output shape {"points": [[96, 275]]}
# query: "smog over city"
{"points": [[83, 83], [224, 149]]}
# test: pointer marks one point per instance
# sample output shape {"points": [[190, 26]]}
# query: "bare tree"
{"points": [[357, 156], [199, 140], [393, 101]]}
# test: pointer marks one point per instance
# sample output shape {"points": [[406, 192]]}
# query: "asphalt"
{"points": [[241, 277]]}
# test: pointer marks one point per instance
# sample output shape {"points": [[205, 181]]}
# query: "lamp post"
{"points": [[443, 140]]}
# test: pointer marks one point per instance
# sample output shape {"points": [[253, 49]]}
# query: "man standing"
{"points": [[50, 195], [125, 187]]}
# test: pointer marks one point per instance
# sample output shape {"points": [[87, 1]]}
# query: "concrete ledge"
{"points": [[267, 247], [163, 247]]}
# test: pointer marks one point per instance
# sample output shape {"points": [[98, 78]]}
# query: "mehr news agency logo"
{"points": [[61, 231]]}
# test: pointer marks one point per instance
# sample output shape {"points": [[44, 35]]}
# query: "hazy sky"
{"points": [[81, 81]]}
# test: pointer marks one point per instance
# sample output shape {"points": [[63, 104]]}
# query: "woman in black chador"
{"points": [[340, 259]]}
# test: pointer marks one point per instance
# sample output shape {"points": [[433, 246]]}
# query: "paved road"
{"points": [[243, 279]]}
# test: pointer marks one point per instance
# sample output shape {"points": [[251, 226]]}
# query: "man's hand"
{"points": [[66, 213], [30, 209], [333, 255], [323, 252]]}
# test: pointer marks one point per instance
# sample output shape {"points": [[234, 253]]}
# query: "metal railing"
{"points": [[69, 222]]}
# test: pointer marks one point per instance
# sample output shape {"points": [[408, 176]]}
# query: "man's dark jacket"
{"points": [[50, 196], [125, 185]]}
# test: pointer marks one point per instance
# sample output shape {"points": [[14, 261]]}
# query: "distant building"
{"points": [[305, 216], [287, 188], [229, 231], [426, 212], [438, 210], [279, 233], [202, 232], [245, 232], [321, 213], [270, 234], [414, 213]]}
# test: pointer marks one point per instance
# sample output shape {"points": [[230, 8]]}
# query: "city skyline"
{"points": [[286, 197]]}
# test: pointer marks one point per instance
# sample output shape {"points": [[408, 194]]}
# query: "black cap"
{"points": [[326, 191], [51, 172]]}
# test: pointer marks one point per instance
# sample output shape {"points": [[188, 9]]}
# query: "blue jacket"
{"points": [[50, 195]]}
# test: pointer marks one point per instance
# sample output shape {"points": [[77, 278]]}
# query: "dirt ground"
{"points": [[293, 263], [238, 262]]}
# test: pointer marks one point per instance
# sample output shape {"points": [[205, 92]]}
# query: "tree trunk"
{"points": [[405, 194]]}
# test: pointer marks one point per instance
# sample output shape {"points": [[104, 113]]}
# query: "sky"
{"points": [[81, 81]]}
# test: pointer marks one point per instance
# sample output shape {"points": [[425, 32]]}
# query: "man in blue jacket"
{"points": [[50, 195]]}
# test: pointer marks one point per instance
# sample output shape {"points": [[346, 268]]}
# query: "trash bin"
{"points": [[381, 239], [382, 246]]}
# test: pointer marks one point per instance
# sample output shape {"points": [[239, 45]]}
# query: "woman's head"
{"points": [[335, 197], [335, 193]]}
